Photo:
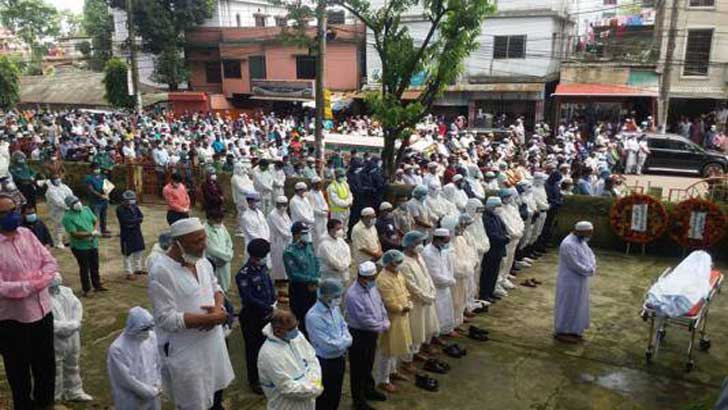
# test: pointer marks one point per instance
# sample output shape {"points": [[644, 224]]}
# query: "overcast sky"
{"points": [[75, 5]]}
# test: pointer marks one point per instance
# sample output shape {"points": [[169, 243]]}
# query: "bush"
{"points": [[9, 83], [115, 82]]}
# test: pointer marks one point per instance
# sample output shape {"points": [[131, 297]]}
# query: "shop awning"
{"points": [[274, 98], [601, 90]]}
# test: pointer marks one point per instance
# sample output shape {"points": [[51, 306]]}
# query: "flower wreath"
{"points": [[620, 217], [713, 229]]}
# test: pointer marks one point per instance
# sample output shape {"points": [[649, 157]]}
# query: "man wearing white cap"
{"points": [[438, 258], [365, 245], [301, 209], [253, 220], [320, 210], [263, 179], [431, 174], [576, 264], [240, 185], [188, 312], [279, 224], [334, 253]]}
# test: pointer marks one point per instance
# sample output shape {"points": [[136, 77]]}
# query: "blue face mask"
{"points": [[10, 222], [290, 335], [371, 284], [31, 218]]}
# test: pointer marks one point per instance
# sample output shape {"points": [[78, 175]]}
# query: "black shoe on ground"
{"points": [[376, 395], [426, 382], [434, 366]]}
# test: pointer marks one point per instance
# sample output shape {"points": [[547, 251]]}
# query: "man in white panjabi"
{"points": [[320, 211], [240, 185], [365, 245], [188, 312], [334, 253], [279, 225], [438, 258]]}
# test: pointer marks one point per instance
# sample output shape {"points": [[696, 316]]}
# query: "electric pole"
{"points": [[666, 79], [132, 55], [320, 74]]}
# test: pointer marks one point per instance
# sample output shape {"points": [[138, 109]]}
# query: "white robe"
{"points": [[67, 316], [441, 267], [576, 264], [455, 195], [263, 183], [335, 258], [301, 210], [364, 238], [320, 215], [255, 225], [280, 236], [196, 363]]}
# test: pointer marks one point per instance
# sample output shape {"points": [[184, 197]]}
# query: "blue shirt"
{"points": [[257, 293], [365, 309], [96, 182], [327, 331], [301, 263]]}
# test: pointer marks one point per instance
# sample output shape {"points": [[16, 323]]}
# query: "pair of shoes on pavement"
{"points": [[436, 366], [427, 383], [455, 351], [478, 334]]}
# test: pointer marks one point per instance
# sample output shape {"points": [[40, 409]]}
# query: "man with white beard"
{"points": [[241, 185], [514, 226]]}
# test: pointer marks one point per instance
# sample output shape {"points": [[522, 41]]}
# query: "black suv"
{"points": [[671, 152]]}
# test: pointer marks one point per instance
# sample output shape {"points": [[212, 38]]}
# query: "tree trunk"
{"points": [[388, 154]]}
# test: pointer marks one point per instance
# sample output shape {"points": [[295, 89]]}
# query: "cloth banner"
{"points": [[697, 225], [639, 217]]}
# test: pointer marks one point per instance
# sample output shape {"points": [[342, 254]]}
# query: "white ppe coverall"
{"points": [[134, 366], [290, 374]]}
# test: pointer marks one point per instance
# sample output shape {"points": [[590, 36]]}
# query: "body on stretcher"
{"points": [[696, 319]]}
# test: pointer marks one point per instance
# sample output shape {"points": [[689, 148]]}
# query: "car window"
{"points": [[657, 143]]}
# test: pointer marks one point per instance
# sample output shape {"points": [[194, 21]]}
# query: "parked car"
{"points": [[671, 152]]}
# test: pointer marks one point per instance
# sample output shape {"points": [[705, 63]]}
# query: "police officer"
{"points": [[258, 298]]}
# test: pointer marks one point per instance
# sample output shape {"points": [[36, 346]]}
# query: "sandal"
{"points": [[426, 382], [435, 366]]}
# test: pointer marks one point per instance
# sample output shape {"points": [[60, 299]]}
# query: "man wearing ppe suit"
{"points": [[263, 182], [134, 366], [508, 213], [186, 298], [455, 193], [55, 197], [420, 213], [340, 198], [320, 210], [330, 338], [67, 315], [287, 365], [334, 252], [241, 185], [478, 239], [438, 258], [279, 224]]}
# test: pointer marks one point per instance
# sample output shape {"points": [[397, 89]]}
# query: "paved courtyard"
{"points": [[522, 367]]}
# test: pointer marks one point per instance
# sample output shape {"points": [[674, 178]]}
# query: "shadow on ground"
{"points": [[522, 367]]}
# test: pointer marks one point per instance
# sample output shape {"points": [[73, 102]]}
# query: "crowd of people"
{"points": [[334, 272]]}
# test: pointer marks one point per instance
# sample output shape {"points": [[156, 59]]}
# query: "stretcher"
{"points": [[695, 320]]}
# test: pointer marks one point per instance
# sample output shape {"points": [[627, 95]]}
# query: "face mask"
{"points": [[585, 239], [507, 200], [335, 302], [10, 222], [56, 182], [263, 261], [31, 218], [188, 258], [341, 179], [370, 223], [10, 186], [54, 290], [213, 177], [371, 284], [290, 335], [143, 335], [419, 248], [77, 206], [132, 202], [306, 238], [97, 171], [339, 234]]}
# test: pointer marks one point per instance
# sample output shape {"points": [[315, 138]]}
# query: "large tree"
{"points": [[30, 20], [9, 88], [116, 85], [99, 25], [162, 25], [450, 30]]}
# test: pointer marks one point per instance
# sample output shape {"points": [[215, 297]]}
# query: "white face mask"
{"points": [[419, 248], [213, 177], [339, 233], [77, 206], [306, 238], [143, 335]]}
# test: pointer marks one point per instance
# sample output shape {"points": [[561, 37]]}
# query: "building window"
{"points": [[237, 20], [336, 17], [256, 66], [305, 67], [697, 52], [231, 69], [212, 72], [509, 47], [281, 21], [610, 2], [702, 3], [259, 21]]}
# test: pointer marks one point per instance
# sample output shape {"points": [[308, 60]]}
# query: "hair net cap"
{"points": [[367, 269], [138, 320], [505, 193], [584, 226], [449, 223], [441, 233], [493, 202], [70, 200], [300, 185], [368, 211], [186, 226], [258, 248], [56, 281], [412, 238], [391, 256], [419, 191], [385, 206], [330, 288], [252, 196]]}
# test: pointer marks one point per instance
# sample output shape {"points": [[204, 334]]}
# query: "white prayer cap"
{"points": [[315, 179], [299, 186], [368, 211], [441, 233], [540, 176], [186, 226], [282, 200], [583, 226], [367, 269], [457, 177], [384, 206], [432, 164]]}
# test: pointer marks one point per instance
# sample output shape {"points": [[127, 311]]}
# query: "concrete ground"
{"points": [[522, 367]]}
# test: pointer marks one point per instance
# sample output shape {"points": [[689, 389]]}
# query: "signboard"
{"points": [[639, 217], [283, 88], [697, 225]]}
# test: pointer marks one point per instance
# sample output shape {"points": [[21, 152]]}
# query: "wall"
{"points": [[594, 74]]}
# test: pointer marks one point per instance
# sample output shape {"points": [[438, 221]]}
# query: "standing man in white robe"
{"points": [[188, 313], [439, 261], [334, 253], [455, 193], [301, 209], [263, 182], [254, 222], [241, 185], [365, 245], [577, 264], [320, 210], [279, 224]]}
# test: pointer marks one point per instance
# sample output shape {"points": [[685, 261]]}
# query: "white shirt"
{"points": [[255, 225], [335, 257], [301, 210]]}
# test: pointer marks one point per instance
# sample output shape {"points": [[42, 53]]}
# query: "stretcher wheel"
{"points": [[648, 357], [689, 366], [661, 334], [704, 345]]}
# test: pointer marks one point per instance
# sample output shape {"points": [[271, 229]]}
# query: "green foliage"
{"points": [[162, 25], [30, 20], [99, 25], [115, 82], [71, 23], [9, 87]]}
